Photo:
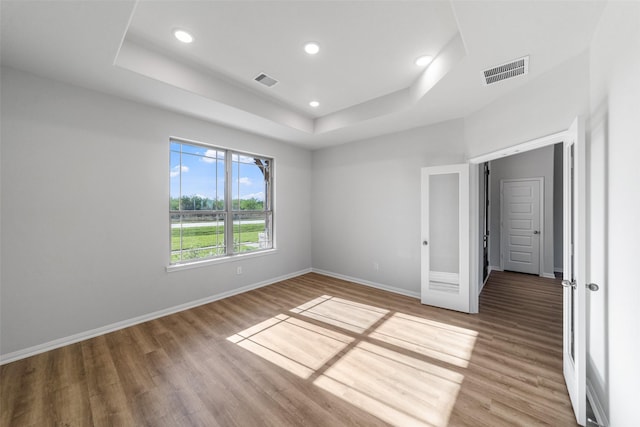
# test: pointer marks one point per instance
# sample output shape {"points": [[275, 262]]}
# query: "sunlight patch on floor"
{"points": [[349, 315], [394, 387], [295, 345], [379, 364], [440, 341]]}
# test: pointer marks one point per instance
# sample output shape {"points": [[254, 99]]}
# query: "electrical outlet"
{"points": [[238, 270]]}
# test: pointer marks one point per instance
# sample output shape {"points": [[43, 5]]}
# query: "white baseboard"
{"points": [[72, 339], [494, 268], [368, 283], [549, 275], [557, 270], [596, 404]]}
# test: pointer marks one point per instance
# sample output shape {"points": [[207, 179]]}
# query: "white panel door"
{"points": [[575, 269], [521, 231], [445, 237]]}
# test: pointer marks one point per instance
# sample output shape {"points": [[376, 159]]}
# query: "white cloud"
{"points": [[243, 159], [245, 181], [175, 171], [212, 155]]}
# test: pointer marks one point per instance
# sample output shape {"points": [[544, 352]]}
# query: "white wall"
{"points": [[366, 203], [532, 164], [359, 186], [84, 216], [614, 149], [546, 105]]}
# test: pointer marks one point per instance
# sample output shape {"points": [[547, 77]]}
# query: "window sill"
{"points": [[221, 260]]}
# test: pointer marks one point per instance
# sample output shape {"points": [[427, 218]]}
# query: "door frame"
{"points": [[541, 238], [485, 228], [581, 246], [476, 262]]}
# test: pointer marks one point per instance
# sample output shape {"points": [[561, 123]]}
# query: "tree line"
{"points": [[199, 203]]}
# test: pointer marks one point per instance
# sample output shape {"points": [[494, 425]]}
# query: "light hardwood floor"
{"points": [[311, 351]]}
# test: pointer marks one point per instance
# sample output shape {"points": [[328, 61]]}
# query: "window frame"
{"points": [[228, 212]]}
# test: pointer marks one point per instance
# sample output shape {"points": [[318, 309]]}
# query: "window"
{"points": [[220, 202]]}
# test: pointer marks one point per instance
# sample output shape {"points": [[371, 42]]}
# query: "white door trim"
{"points": [[502, 233], [532, 144]]}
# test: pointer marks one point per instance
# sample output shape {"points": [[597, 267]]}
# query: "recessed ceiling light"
{"points": [[183, 36], [312, 48], [423, 60], [314, 104]]}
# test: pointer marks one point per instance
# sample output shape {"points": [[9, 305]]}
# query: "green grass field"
{"points": [[202, 242]]}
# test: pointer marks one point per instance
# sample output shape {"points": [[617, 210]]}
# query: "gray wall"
{"points": [[532, 164], [84, 211], [366, 203]]}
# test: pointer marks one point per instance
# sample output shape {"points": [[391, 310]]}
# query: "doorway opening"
{"points": [[531, 239], [573, 249]]}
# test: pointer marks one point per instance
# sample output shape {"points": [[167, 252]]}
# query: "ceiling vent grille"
{"points": [[266, 80], [518, 67]]}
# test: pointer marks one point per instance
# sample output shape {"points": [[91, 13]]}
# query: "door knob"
{"points": [[536, 232], [592, 287], [569, 283]]}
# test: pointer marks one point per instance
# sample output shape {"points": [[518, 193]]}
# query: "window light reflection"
{"points": [[392, 386], [375, 359], [434, 339]]}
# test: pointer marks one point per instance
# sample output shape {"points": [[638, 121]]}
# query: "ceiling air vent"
{"points": [[268, 81], [518, 67]]}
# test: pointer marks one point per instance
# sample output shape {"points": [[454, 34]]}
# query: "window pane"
{"points": [[252, 231], [176, 238], [196, 236], [198, 209], [174, 180], [192, 149], [199, 182], [176, 146], [250, 183], [220, 183]]}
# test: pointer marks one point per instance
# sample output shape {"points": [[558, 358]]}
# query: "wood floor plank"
{"points": [[311, 350]]}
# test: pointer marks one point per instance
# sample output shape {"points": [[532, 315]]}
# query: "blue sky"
{"points": [[202, 174]]}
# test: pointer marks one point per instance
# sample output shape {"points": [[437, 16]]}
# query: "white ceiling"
{"points": [[367, 48], [364, 75]]}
